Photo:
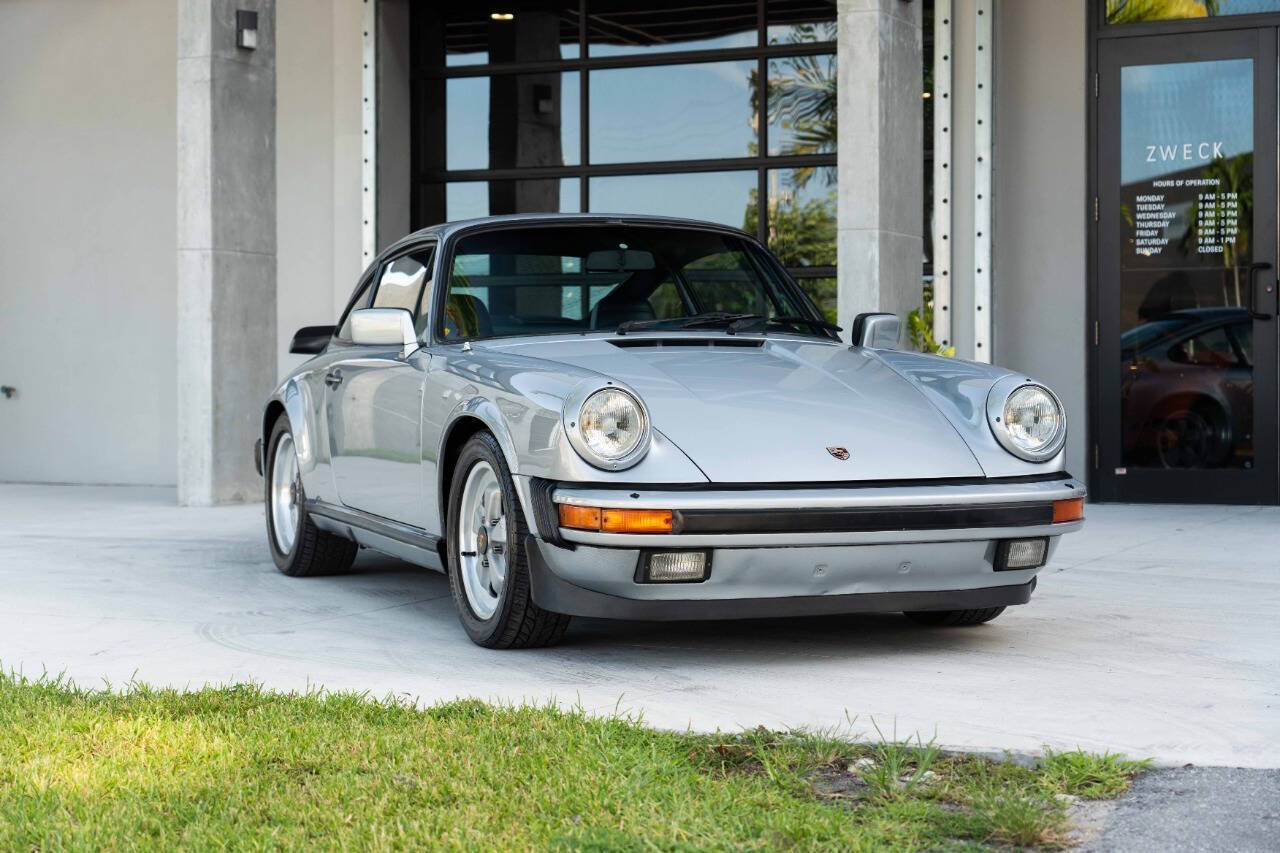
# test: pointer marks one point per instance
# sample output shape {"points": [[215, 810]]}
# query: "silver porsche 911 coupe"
{"points": [[645, 418]]}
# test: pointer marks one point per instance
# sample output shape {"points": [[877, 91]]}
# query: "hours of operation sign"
{"points": [[1178, 208]]}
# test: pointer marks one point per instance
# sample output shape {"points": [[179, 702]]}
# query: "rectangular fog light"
{"points": [[1021, 554], [674, 567]]}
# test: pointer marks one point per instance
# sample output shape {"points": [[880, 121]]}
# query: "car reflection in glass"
{"points": [[1187, 390]]}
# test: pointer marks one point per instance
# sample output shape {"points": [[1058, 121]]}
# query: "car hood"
{"points": [[770, 413]]}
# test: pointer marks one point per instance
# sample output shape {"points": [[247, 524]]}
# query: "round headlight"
{"points": [[611, 429], [1028, 420]]}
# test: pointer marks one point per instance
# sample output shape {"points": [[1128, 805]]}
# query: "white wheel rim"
{"points": [[482, 540], [285, 491]]}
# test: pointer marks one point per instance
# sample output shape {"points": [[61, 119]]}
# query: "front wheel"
{"points": [[488, 566], [954, 617]]}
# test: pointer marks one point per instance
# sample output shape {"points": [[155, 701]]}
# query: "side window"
{"points": [[1211, 348], [405, 283]]}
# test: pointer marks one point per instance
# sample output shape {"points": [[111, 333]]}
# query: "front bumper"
{"points": [[799, 550]]}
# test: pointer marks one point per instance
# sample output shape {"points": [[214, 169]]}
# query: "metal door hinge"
{"points": [[1095, 333], [1095, 84], [1095, 208], [1097, 457]]}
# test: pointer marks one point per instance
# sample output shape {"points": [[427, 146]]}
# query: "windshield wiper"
{"points": [[752, 320], [709, 318]]}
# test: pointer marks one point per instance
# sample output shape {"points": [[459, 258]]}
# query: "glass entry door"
{"points": [[1186, 301]]}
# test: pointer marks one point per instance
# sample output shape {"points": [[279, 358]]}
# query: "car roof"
{"points": [[1208, 312], [448, 229]]}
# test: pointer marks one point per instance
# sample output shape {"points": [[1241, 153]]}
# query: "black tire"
{"points": [[314, 551], [952, 618], [517, 623]]}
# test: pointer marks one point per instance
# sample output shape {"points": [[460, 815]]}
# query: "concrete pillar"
{"points": [[395, 108], [226, 247], [880, 224]]}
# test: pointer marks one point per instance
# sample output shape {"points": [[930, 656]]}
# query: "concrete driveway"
{"points": [[1154, 633]]}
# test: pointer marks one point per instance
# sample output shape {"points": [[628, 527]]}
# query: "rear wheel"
{"points": [[488, 566], [954, 617], [1191, 437], [299, 548]]}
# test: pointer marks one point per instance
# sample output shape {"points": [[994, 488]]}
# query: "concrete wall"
{"points": [[318, 65], [87, 230], [1040, 201], [88, 171]]}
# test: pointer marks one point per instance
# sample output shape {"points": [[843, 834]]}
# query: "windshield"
{"points": [[583, 278]]}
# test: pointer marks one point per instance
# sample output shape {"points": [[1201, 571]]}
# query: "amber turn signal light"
{"points": [[579, 517], [635, 520], [1068, 510], [615, 520]]}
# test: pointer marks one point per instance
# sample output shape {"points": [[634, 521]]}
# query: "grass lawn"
{"points": [[241, 767]]}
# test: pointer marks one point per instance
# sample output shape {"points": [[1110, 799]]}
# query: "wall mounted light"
{"points": [[246, 29], [502, 16]]}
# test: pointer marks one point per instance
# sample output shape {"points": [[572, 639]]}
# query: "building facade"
{"points": [[1083, 191]]}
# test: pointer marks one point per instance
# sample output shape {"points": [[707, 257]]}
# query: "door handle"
{"points": [[333, 378], [1264, 306]]}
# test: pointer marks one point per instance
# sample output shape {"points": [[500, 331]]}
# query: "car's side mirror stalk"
{"points": [[384, 327], [876, 331]]}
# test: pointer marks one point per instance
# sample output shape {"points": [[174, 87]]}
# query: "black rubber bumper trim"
{"points": [[559, 596], [863, 520], [546, 514]]}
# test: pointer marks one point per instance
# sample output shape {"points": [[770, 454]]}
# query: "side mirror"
{"points": [[310, 340], [384, 327], [876, 331]]}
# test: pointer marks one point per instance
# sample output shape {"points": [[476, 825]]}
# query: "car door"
{"points": [[374, 400]]}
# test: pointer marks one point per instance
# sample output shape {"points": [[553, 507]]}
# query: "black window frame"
{"points": [[429, 82]]}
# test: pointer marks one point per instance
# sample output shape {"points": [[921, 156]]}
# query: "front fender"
{"points": [[486, 411], [959, 390]]}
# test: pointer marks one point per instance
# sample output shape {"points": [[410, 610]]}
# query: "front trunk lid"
{"points": [[753, 410]]}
